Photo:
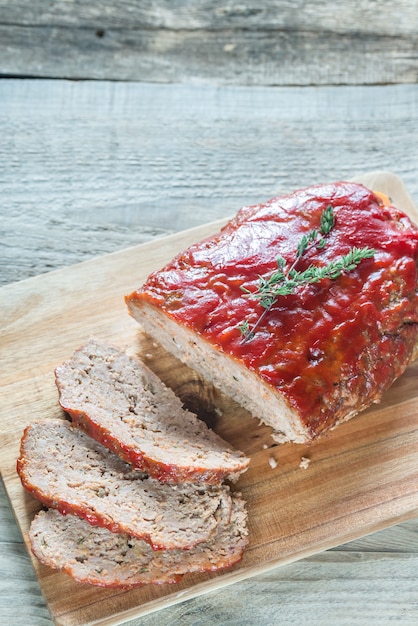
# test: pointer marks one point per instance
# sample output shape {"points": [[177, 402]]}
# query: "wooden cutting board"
{"points": [[302, 499]]}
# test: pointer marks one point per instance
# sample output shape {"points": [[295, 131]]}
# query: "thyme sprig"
{"points": [[284, 282]]}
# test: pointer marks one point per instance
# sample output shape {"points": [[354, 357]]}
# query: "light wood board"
{"points": [[361, 478]]}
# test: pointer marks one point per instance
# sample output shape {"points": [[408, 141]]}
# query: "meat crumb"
{"points": [[272, 462], [304, 462]]}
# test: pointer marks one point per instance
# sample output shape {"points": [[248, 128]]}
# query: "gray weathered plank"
{"points": [[249, 43], [128, 162], [358, 16], [225, 57]]}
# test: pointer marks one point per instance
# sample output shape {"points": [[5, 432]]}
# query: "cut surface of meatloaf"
{"points": [[96, 556], [67, 470], [121, 403], [322, 353]]}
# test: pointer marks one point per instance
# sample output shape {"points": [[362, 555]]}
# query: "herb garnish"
{"points": [[283, 282]]}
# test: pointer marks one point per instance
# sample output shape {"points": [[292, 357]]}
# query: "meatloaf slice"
{"points": [[119, 402], [67, 470], [321, 353], [96, 556]]}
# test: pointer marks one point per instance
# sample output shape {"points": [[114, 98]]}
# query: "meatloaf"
{"points": [[67, 470], [119, 402], [96, 556], [324, 351]]}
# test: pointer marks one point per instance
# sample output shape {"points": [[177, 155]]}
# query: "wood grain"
{"points": [[246, 43], [87, 168], [357, 16], [361, 478]]}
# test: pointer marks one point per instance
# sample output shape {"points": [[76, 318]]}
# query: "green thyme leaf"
{"points": [[327, 220], [244, 328], [282, 283]]}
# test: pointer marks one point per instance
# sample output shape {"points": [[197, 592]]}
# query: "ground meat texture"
{"points": [[67, 470], [322, 353], [118, 401], [96, 556]]}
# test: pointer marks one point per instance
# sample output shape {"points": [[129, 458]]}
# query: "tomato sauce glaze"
{"points": [[329, 347]]}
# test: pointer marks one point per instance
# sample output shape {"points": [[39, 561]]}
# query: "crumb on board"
{"points": [[272, 462], [265, 446], [304, 462]]}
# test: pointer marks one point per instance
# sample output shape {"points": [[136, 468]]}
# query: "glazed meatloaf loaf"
{"points": [[96, 556], [119, 402], [303, 309], [67, 470]]}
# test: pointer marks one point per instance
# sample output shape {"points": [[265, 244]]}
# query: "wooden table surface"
{"points": [[121, 122]]}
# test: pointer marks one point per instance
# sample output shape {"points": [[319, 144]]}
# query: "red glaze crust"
{"points": [[164, 472], [329, 349]]}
